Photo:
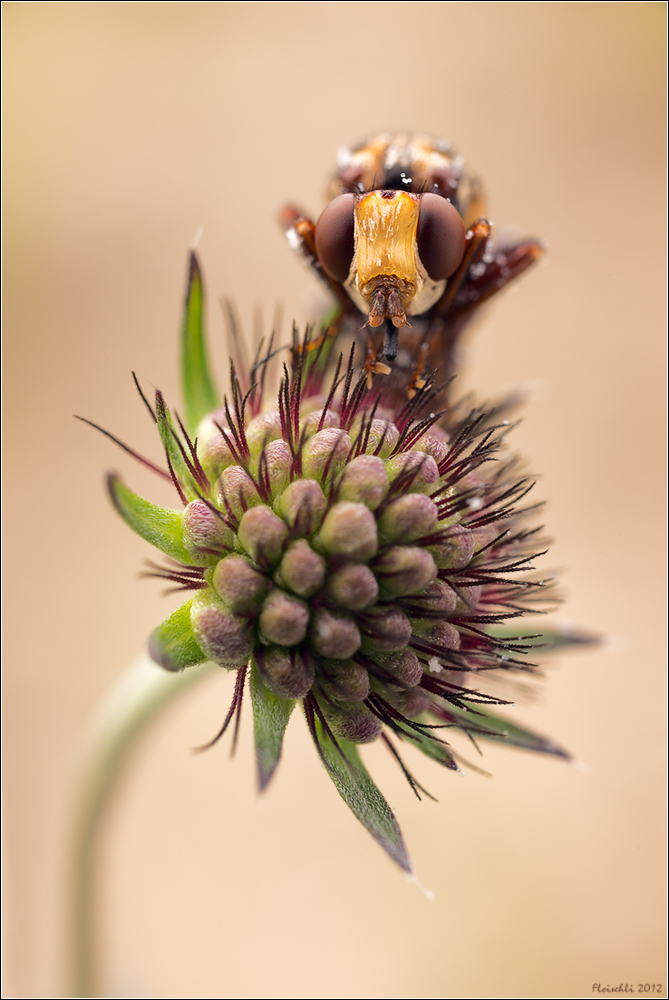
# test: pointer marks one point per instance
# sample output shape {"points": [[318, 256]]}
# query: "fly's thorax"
{"points": [[409, 162]]}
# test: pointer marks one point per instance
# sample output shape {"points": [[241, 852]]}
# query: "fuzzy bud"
{"points": [[353, 722], [432, 445], [445, 635], [262, 534], [408, 518], [324, 454], [277, 460], [405, 667], [386, 629], [381, 436], [302, 505], [416, 469], [309, 424], [456, 550], [283, 619], [364, 480], [437, 599], [287, 673], [405, 569], [349, 529], [262, 429], [467, 599], [223, 637], [333, 636], [235, 491], [302, 570], [206, 538], [353, 586], [344, 680], [239, 584]]}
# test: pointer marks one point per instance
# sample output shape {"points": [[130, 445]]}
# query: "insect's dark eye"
{"points": [[440, 236], [334, 237]]}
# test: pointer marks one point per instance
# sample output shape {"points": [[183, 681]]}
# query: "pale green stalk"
{"points": [[133, 704]]}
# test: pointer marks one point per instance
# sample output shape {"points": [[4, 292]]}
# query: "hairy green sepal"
{"points": [[270, 718], [354, 784], [197, 385], [483, 725], [157, 525], [172, 643]]}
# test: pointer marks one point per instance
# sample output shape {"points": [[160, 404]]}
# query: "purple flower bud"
{"points": [[437, 599], [404, 666], [408, 518], [435, 444], [467, 600], [278, 462], [353, 586], [381, 436], [324, 454], [446, 635], [456, 550], [239, 584], [205, 536], [410, 703], [302, 505], [416, 469], [404, 569], [223, 637], [262, 429], [235, 491], [309, 424], [283, 619], [262, 534], [333, 636], [302, 570], [285, 671], [349, 529], [385, 628], [344, 680], [352, 722], [364, 480]]}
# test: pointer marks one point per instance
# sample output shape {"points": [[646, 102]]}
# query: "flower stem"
{"points": [[132, 705]]}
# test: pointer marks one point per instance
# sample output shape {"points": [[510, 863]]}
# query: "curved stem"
{"points": [[132, 705]]}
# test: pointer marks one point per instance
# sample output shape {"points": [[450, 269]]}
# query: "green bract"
{"points": [[350, 546]]}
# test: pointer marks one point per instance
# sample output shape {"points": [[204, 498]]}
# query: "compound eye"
{"points": [[335, 237], [440, 236]]}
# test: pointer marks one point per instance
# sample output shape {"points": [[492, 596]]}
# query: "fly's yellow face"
{"points": [[392, 250]]}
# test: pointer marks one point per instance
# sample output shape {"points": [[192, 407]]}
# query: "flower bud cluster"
{"points": [[349, 546]]}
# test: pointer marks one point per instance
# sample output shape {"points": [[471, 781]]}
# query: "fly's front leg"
{"points": [[496, 268], [300, 233], [477, 240]]}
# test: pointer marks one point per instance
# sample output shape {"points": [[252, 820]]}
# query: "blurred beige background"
{"points": [[128, 126]]}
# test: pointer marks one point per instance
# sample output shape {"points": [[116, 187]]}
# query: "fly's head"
{"points": [[403, 245]]}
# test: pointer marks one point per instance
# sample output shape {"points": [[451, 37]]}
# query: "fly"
{"points": [[404, 246]]}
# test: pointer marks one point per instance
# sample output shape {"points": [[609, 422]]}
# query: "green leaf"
{"points": [[270, 718], [431, 748], [361, 795], [199, 392], [168, 437], [483, 725], [173, 644], [548, 641], [157, 525]]}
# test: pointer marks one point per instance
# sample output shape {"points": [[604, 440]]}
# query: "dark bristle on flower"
{"points": [[351, 542]]}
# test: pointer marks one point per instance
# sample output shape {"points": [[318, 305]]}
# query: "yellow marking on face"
{"points": [[385, 233]]}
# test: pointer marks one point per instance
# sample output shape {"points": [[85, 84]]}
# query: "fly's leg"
{"points": [[477, 240], [484, 270]]}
